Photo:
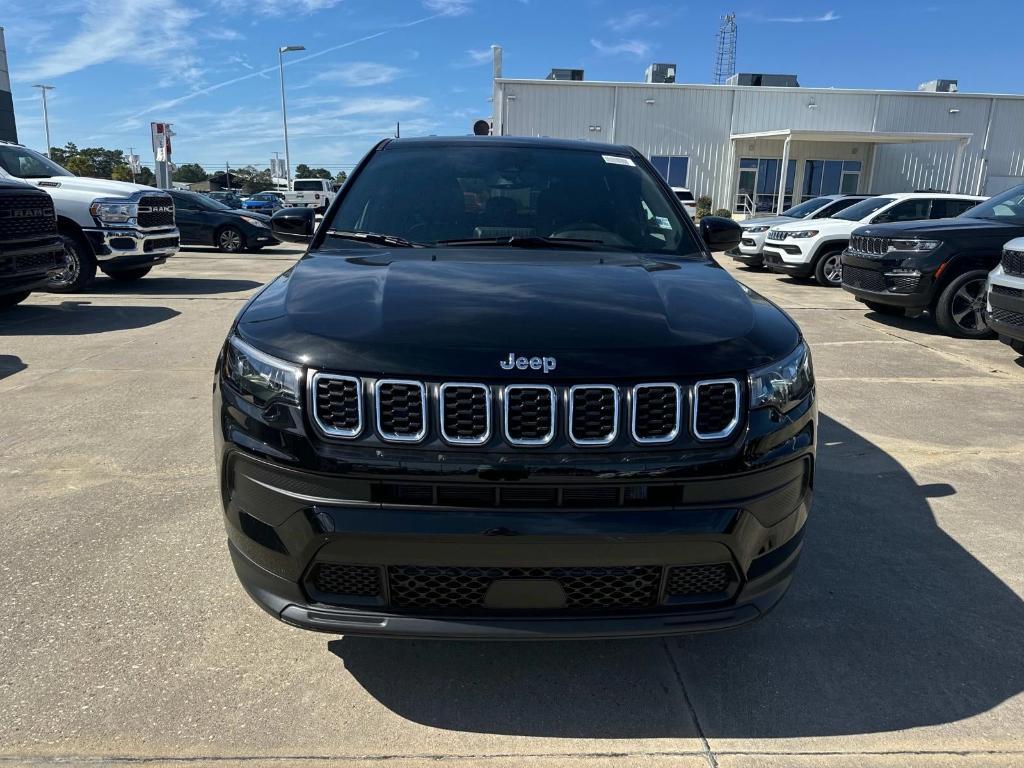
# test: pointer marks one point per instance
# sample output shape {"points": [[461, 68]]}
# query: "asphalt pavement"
{"points": [[125, 637]]}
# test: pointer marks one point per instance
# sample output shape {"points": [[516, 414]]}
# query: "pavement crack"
{"points": [[709, 755]]}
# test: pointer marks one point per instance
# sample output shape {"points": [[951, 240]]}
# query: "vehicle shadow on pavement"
{"points": [[79, 318], [10, 365], [890, 624], [175, 286]]}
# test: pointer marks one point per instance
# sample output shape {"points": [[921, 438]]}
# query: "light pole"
{"points": [[46, 116], [284, 112]]}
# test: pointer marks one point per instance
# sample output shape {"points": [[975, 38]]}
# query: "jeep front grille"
{"points": [[465, 413], [337, 404], [870, 246], [529, 414], [156, 211], [656, 412], [401, 410], [716, 409], [1013, 262], [593, 414], [26, 216]]}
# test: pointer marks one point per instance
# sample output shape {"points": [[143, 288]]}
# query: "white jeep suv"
{"points": [[1004, 296], [806, 249]]}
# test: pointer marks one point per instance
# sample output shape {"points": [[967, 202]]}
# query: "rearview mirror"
{"points": [[293, 225], [720, 233]]}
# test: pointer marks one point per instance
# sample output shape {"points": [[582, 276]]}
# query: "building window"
{"points": [[673, 168], [830, 177], [758, 184]]}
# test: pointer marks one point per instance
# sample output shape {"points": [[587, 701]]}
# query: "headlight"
{"points": [[783, 384], [762, 228], [914, 246], [263, 380], [804, 233], [114, 212], [254, 222]]}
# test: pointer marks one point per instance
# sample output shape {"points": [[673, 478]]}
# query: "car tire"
{"points": [[960, 309], [11, 299], [230, 240], [128, 275], [885, 309], [828, 269], [80, 266]]}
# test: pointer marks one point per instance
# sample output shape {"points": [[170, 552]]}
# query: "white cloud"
{"points": [[479, 55], [448, 7], [829, 16], [360, 74], [629, 21], [276, 7], [637, 48], [225, 34]]}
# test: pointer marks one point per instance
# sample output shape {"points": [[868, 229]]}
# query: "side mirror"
{"points": [[720, 233], [293, 225]]}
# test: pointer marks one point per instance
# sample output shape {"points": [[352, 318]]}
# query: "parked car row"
{"points": [[907, 253], [305, 193]]}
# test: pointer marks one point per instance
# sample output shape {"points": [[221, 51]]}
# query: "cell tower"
{"points": [[725, 53]]}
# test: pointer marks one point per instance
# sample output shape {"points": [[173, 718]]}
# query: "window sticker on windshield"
{"points": [[616, 160], [662, 222]]}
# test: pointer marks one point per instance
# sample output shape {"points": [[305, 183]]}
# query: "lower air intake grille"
{"points": [[1006, 290], [716, 408], [688, 580], [903, 283], [529, 415], [655, 412], [465, 413], [1013, 262], [594, 414], [337, 404], [867, 279], [401, 410], [1008, 316], [464, 588], [355, 580]]}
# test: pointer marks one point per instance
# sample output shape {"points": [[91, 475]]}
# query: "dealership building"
{"points": [[741, 144]]}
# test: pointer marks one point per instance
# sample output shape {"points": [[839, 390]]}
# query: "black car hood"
{"points": [[965, 225], [457, 312], [250, 213]]}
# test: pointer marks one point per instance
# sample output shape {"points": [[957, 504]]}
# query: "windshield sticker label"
{"points": [[616, 160], [662, 222]]}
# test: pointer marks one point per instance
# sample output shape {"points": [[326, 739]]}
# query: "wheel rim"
{"points": [[72, 266], [230, 240], [833, 268], [968, 306]]}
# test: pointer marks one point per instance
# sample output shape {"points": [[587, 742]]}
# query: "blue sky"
{"points": [[210, 66]]}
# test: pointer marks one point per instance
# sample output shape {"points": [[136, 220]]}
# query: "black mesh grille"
{"points": [[716, 407], [903, 283], [1013, 262], [656, 412], [356, 580], [35, 263], [529, 414], [594, 414], [337, 405], [464, 410], [1008, 316], [156, 211], [464, 588], [401, 409], [1006, 290], [159, 243], [686, 580], [867, 279], [24, 216]]}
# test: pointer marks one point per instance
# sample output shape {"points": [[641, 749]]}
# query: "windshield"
{"points": [[25, 164], [427, 194], [807, 207], [208, 203], [1007, 207], [864, 208], [308, 186]]}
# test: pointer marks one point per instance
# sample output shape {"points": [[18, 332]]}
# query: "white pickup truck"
{"points": [[119, 228], [310, 193]]}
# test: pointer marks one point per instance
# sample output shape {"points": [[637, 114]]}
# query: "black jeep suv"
{"points": [[30, 248], [508, 393], [940, 266]]}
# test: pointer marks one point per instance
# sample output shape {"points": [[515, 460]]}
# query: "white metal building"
{"points": [[742, 144]]}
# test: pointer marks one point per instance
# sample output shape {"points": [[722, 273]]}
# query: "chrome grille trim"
{"points": [[395, 437], [440, 413], [679, 413], [695, 398], [613, 435], [311, 379], [554, 415]]}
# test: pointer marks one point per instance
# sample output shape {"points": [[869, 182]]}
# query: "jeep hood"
{"points": [[455, 312], [824, 226], [960, 225], [769, 221], [98, 187]]}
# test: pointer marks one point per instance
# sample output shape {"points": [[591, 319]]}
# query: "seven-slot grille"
{"points": [[872, 246], [775, 234], [27, 216], [1013, 262], [156, 211], [868, 279], [595, 415]]}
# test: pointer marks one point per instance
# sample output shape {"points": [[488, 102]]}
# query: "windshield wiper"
{"points": [[532, 241], [373, 237]]}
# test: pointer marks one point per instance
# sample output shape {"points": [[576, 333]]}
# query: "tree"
{"points": [[145, 176], [303, 171], [190, 173], [340, 178], [97, 162], [122, 173]]}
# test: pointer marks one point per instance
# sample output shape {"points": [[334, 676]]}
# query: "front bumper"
{"points": [[1004, 311], [774, 256], [133, 247], [877, 280], [26, 266]]}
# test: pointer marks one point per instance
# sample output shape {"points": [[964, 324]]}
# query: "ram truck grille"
{"points": [[26, 217], [1013, 262], [156, 211]]}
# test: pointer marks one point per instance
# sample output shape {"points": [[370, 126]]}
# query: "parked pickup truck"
{"points": [[119, 228], [310, 193], [30, 248]]}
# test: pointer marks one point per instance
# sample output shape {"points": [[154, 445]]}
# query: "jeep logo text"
{"points": [[545, 364]]}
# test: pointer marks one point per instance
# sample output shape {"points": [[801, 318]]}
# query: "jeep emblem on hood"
{"points": [[545, 364]]}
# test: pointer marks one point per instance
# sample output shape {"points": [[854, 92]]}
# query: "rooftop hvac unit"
{"points": [[660, 73], [761, 79], [565, 74], [939, 86]]}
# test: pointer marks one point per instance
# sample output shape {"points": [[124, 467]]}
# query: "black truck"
{"points": [[508, 393], [30, 248], [939, 266]]}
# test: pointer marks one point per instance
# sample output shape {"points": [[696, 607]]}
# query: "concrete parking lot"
{"points": [[124, 633]]}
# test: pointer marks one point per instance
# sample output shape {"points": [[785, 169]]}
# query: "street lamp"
{"points": [[284, 112], [46, 116]]}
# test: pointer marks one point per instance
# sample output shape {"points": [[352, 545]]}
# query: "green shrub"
{"points": [[703, 206], [724, 212]]}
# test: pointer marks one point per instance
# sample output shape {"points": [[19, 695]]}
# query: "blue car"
{"points": [[265, 202]]}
